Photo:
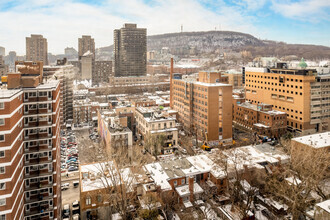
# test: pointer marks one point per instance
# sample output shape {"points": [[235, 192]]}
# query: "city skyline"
{"points": [[302, 22]]}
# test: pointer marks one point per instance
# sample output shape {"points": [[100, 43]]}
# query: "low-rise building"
{"points": [[322, 210], [157, 121], [82, 112], [100, 181], [310, 144], [260, 118]]}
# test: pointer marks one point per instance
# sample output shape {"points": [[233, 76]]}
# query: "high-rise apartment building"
{"points": [[86, 43], [65, 74], [2, 51], [205, 106], [102, 72], [130, 51], [37, 48], [29, 148], [301, 93], [3, 67]]}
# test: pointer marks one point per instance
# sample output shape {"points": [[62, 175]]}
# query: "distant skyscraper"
{"points": [[70, 53], [2, 51], [86, 43], [36, 49], [130, 51]]}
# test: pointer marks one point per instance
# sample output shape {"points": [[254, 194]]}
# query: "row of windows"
{"points": [[271, 77], [269, 88], [283, 85]]}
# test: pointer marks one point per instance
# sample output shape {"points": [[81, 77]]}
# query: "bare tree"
{"points": [[154, 143], [238, 175], [114, 171], [296, 183]]}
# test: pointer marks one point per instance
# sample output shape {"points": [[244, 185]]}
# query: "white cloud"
{"points": [[305, 10], [63, 21]]}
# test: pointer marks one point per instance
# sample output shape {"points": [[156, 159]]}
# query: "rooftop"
{"points": [[325, 205], [315, 140], [101, 175]]}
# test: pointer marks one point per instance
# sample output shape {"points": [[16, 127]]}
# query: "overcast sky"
{"points": [[63, 21]]}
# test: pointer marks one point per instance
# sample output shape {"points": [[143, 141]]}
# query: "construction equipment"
{"points": [[205, 144]]}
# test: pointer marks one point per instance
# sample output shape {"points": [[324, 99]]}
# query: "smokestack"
{"points": [[191, 188], [171, 82]]}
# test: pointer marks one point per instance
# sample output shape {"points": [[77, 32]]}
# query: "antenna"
{"points": [[181, 28]]}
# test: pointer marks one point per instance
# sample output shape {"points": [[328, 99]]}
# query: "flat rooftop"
{"points": [[315, 140]]}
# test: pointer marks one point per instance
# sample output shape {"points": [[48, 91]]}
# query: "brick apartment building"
{"points": [[301, 93], [37, 48], [204, 104], [260, 118], [29, 148]]}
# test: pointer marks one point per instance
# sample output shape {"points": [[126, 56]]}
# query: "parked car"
{"points": [[65, 186], [75, 184], [72, 168], [75, 207], [66, 211], [76, 217]]}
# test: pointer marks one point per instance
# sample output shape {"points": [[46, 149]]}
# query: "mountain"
{"points": [[197, 43], [203, 41]]}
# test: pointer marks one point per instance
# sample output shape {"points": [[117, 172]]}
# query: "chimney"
{"points": [[171, 86], [191, 188]]}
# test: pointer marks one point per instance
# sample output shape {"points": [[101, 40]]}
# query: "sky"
{"points": [[62, 22]]}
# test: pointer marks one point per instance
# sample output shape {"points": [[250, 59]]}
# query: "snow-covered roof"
{"points": [[315, 140], [159, 176], [183, 190], [325, 205], [102, 175]]}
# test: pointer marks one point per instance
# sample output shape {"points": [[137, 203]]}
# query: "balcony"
{"points": [[40, 216], [37, 136], [37, 160], [41, 208], [39, 184], [38, 173], [38, 197]]}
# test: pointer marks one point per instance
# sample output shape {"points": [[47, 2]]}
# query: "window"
{"points": [[2, 137], [42, 93], [88, 201], [2, 217], [2, 105], [2, 154], [99, 198], [2, 186], [175, 183], [2, 170], [2, 202], [182, 181]]}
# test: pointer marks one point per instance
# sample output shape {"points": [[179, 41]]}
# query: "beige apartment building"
{"points": [[301, 93], [153, 121], [86, 43], [65, 74], [235, 79], [205, 105], [37, 48]]}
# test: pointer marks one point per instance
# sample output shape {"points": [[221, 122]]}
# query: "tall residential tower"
{"points": [[86, 43], [36, 48], [29, 145], [130, 51]]}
